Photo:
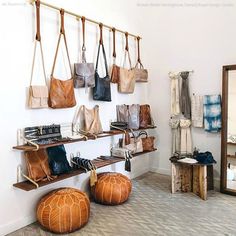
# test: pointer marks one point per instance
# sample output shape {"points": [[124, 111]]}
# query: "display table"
{"points": [[196, 178]]}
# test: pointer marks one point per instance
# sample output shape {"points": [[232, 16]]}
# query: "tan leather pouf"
{"points": [[63, 210], [111, 188]]}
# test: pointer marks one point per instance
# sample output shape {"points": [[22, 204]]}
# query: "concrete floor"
{"points": [[153, 210]]}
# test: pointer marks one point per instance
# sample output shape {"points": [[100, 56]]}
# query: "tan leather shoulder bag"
{"points": [[127, 80], [87, 121], [61, 93], [38, 94]]}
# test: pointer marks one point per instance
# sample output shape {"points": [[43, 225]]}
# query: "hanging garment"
{"points": [[175, 110], [186, 138], [212, 113], [197, 111], [185, 101], [174, 124]]}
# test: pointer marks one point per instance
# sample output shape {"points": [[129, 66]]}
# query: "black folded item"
{"points": [[118, 125], [58, 162], [204, 157]]}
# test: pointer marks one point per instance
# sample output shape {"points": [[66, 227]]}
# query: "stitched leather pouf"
{"points": [[111, 188], [63, 210]]}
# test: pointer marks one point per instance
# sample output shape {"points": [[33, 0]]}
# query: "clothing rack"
{"points": [[190, 71], [78, 17]]}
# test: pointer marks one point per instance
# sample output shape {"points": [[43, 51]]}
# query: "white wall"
{"points": [[186, 38], [16, 47]]}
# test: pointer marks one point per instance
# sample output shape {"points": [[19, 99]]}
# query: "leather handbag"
{"points": [[87, 121], [37, 165], [145, 118], [122, 113], [133, 120], [147, 141], [61, 93], [102, 89], [127, 80], [115, 71], [38, 94], [129, 114], [84, 72], [133, 144], [141, 74], [57, 160]]}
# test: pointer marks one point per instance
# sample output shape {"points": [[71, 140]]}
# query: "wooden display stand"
{"points": [[196, 178]]}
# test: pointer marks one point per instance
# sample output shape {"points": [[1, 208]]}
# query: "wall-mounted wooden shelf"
{"points": [[98, 162], [27, 147]]}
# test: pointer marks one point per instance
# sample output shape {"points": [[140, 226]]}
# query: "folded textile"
{"points": [[212, 113], [197, 111]]}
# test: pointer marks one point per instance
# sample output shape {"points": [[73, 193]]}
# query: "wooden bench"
{"points": [[196, 178]]}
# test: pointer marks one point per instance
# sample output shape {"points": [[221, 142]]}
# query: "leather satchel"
{"points": [[127, 80], [38, 95], [102, 89], [147, 141], [84, 72], [37, 165], [141, 74], [57, 160], [87, 121], [61, 93], [145, 119], [134, 144]]}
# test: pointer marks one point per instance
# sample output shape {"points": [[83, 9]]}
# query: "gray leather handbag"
{"points": [[129, 114], [122, 113], [84, 72]]}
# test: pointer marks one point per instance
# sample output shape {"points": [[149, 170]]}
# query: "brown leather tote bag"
{"points": [[37, 165], [147, 141], [61, 93], [115, 71], [38, 94], [145, 118]]}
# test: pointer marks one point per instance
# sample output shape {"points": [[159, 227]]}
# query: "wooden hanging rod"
{"points": [[79, 17]]}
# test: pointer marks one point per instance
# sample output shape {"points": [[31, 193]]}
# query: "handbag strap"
{"points": [[103, 51], [127, 50], [38, 39], [139, 60], [83, 46], [76, 117], [114, 42], [62, 33]]}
